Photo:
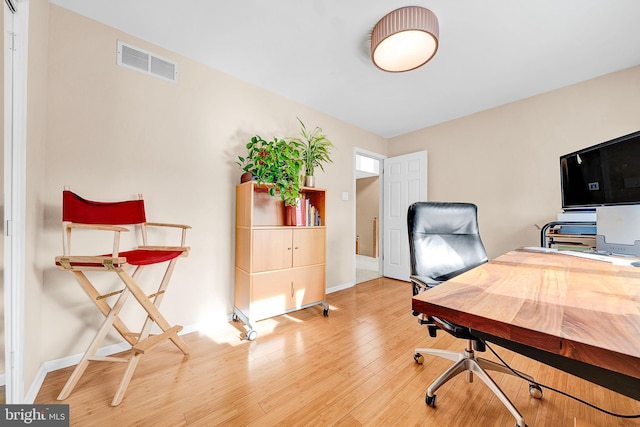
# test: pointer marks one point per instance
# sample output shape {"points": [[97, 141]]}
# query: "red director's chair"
{"points": [[78, 213]]}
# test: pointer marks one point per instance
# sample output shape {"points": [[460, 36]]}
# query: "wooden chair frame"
{"points": [[141, 342]]}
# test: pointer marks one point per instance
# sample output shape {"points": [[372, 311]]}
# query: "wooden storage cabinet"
{"points": [[277, 292], [276, 248], [278, 268]]}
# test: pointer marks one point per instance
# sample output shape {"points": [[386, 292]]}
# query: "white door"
{"points": [[405, 182]]}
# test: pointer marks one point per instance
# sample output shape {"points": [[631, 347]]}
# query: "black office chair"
{"points": [[444, 241]]}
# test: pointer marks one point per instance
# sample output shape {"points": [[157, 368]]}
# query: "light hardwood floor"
{"points": [[353, 368]]}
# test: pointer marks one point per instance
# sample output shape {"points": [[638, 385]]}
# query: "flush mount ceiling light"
{"points": [[404, 39]]}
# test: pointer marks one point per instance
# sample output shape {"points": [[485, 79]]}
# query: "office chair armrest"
{"points": [[459, 331], [453, 274], [424, 282], [421, 284]]}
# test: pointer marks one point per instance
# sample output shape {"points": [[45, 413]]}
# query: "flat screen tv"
{"points": [[606, 174]]}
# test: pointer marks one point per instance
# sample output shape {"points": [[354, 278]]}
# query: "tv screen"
{"points": [[602, 175]]}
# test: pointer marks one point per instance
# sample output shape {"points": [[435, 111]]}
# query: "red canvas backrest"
{"points": [[77, 209]]}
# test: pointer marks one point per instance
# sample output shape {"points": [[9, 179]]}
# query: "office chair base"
{"points": [[467, 362]]}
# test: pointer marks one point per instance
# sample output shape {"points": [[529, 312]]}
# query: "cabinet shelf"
{"points": [[255, 207], [279, 268]]}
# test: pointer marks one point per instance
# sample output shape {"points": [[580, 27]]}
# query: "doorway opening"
{"points": [[368, 204]]}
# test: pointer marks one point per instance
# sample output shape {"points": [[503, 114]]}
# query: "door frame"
{"points": [[380, 158], [15, 131]]}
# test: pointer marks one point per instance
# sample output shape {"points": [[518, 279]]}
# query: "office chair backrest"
{"points": [[444, 239]]}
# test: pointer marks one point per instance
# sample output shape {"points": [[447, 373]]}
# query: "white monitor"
{"points": [[618, 229]]}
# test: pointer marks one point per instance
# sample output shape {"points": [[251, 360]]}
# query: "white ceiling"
{"points": [[316, 52]]}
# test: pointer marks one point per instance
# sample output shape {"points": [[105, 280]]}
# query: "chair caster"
{"points": [[535, 391], [325, 312], [234, 317], [419, 358], [251, 334], [430, 400]]}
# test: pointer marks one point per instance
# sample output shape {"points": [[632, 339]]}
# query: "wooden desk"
{"points": [[576, 314]]}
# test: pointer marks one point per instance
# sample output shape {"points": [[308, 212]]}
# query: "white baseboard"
{"points": [[3, 380], [340, 287]]}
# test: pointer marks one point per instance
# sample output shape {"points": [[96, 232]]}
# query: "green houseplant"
{"points": [[316, 148], [277, 162]]}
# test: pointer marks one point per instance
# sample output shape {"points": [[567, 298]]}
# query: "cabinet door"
{"points": [[308, 285], [309, 246], [271, 294], [272, 249]]}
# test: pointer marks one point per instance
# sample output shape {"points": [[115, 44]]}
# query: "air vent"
{"points": [[146, 62]]}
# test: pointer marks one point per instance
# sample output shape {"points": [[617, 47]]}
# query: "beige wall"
{"points": [[506, 159], [367, 208], [113, 132]]}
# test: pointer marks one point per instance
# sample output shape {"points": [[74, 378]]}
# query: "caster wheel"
{"points": [[234, 317], [251, 335], [535, 391], [431, 400], [325, 312], [419, 358]]}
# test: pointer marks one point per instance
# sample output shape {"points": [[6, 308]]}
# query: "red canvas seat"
{"points": [[134, 257], [81, 215], [145, 257]]}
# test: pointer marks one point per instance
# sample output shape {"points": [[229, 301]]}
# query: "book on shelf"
{"points": [[306, 214], [313, 216], [301, 212]]}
